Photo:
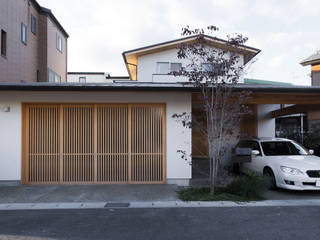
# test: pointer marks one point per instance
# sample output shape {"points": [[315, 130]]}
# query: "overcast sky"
{"points": [[287, 31]]}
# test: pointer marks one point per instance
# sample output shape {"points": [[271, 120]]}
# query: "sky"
{"points": [[287, 31]]}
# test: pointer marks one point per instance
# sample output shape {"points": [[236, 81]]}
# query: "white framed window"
{"points": [[163, 67], [33, 24], [167, 67], [23, 33], [59, 42], [82, 79]]}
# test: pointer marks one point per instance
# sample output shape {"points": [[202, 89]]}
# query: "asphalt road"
{"points": [[256, 223]]}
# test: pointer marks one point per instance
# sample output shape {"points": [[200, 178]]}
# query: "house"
{"points": [[120, 131], [297, 121], [314, 61], [33, 43]]}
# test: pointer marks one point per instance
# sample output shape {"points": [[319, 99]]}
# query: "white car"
{"points": [[288, 164]]}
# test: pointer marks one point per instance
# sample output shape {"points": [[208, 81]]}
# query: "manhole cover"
{"points": [[117, 205]]}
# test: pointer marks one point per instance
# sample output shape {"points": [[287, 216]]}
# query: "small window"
{"points": [[82, 79], [3, 43], [38, 75], [33, 24], [59, 42], [23, 33], [207, 67], [162, 67], [175, 67]]}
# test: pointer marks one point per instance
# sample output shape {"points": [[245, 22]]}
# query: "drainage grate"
{"points": [[117, 205]]}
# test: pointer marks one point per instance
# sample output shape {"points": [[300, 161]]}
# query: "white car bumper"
{"points": [[297, 182]]}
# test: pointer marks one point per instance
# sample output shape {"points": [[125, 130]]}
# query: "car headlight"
{"points": [[292, 171]]}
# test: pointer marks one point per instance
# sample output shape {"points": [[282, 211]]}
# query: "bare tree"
{"points": [[215, 72]]}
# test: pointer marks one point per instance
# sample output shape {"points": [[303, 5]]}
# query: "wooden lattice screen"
{"points": [[94, 143]]}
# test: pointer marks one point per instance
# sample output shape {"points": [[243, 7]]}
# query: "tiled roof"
{"points": [[265, 82], [314, 58]]}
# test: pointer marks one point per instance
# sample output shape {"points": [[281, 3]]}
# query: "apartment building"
{"points": [[33, 43]]}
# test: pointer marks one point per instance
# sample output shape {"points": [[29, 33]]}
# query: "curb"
{"points": [[160, 204]]}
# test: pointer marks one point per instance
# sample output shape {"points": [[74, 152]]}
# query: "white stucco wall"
{"points": [[147, 66], [266, 125], [90, 78], [178, 137]]}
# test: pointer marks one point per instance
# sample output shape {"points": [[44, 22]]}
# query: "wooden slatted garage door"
{"points": [[93, 143]]}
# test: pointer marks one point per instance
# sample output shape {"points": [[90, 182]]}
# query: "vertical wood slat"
{"points": [[61, 124], [97, 143], [129, 169], [95, 134]]}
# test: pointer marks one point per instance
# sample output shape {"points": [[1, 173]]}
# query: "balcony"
{"points": [[167, 78]]}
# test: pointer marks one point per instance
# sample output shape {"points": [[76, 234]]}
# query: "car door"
{"points": [[256, 163]]}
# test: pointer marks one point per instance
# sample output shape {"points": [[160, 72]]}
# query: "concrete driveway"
{"points": [[87, 193]]}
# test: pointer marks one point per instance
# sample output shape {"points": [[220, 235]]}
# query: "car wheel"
{"points": [[269, 173]]}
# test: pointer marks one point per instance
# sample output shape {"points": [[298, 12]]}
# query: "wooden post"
{"points": [[95, 146], [129, 142], [61, 145], [25, 144]]}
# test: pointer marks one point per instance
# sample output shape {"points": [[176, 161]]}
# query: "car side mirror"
{"points": [[311, 151], [255, 152]]}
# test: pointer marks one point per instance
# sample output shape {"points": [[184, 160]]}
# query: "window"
{"points": [[278, 148], [3, 43], [82, 79], [216, 68], [23, 33], [33, 24], [59, 42], [162, 67], [175, 67], [38, 76], [166, 67], [53, 77], [249, 144], [207, 67]]}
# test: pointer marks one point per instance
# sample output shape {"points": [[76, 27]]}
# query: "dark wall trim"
{"points": [[118, 77], [86, 73]]}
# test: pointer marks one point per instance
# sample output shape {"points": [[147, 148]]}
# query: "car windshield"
{"points": [[277, 148]]}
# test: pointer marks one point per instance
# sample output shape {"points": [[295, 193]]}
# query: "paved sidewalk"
{"points": [[87, 193], [157, 204]]}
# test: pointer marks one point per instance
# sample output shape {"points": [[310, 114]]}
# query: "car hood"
{"points": [[307, 162]]}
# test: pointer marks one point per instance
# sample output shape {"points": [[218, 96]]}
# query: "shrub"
{"points": [[203, 194], [250, 185]]}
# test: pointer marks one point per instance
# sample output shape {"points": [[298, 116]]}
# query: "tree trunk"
{"points": [[212, 172]]}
